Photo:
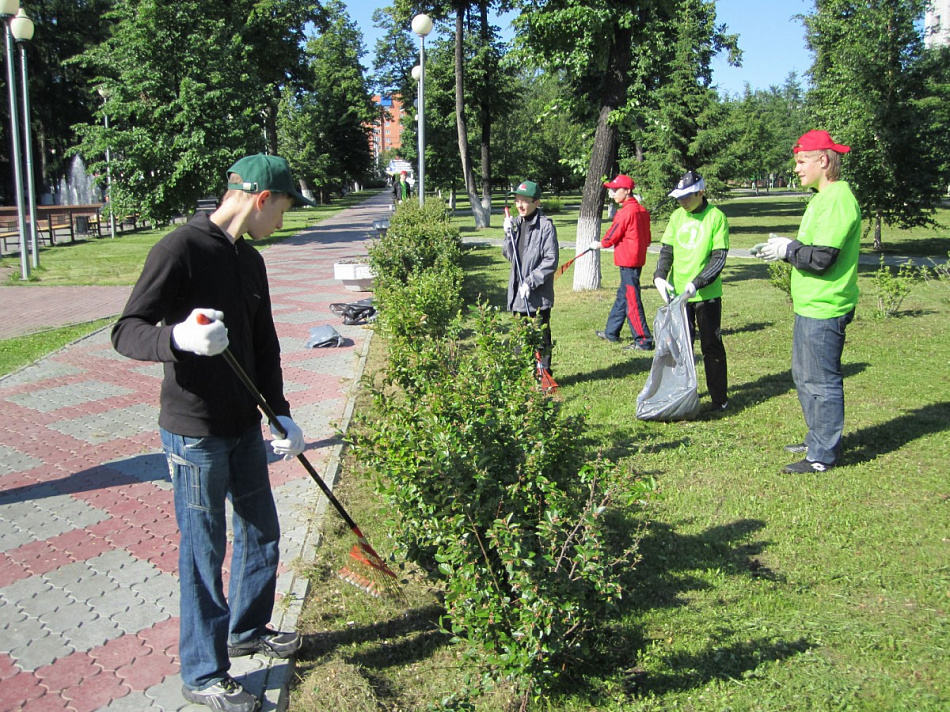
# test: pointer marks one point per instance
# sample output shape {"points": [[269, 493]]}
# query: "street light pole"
{"points": [[21, 27], [8, 9], [104, 93], [422, 26]]}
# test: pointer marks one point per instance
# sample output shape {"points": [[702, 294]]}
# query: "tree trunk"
{"points": [[468, 173], [270, 128], [602, 160], [877, 232], [485, 119]]}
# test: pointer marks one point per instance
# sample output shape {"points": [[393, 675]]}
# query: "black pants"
{"points": [[707, 316], [546, 344]]}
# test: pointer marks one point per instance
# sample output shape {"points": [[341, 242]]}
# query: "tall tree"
{"points": [[325, 125], [59, 89], [190, 86], [871, 91]]}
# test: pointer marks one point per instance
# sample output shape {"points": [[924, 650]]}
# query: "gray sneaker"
{"points": [[227, 695], [273, 644]]}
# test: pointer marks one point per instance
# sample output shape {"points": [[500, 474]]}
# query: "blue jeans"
{"points": [[816, 369], [628, 306], [205, 471]]}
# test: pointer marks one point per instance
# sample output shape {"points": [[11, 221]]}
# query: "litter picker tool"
{"points": [[368, 571]]}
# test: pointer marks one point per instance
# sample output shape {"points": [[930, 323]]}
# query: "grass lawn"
{"points": [[756, 590]]}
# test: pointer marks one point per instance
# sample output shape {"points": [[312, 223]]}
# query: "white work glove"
{"points": [[293, 444], [775, 249], [509, 224], [202, 339], [524, 291], [689, 290], [595, 245], [664, 288]]}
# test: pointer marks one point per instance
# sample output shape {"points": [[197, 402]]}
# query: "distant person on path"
{"points": [[209, 423], [401, 189], [695, 244], [629, 235], [530, 245], [824, 286]]}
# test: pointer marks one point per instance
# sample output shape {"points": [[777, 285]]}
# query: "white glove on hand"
{"points": [[524, 291], [595, 245], [775, 249], [202, 339], [689, 290], [509, 224], [293, 444], [664, 288]]}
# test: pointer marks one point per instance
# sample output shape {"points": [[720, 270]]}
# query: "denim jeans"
{"points": [[628, 306], [205, 471], [816, 369]]}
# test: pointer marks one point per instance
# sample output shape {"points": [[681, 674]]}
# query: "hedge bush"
{"points": [[488, 483]]}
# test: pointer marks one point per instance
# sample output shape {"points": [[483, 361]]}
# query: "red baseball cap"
{"points": [[621, 181], [817, 141]]}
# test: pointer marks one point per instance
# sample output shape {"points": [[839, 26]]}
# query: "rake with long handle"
{"points": [[370, 573], [563, 268]]}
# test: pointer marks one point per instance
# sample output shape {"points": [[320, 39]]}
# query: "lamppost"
{"points": [[104, 93], [8, 10], [422, 26], [21, 27]]}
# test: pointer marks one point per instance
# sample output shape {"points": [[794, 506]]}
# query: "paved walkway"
{"points": [[88, 540]]}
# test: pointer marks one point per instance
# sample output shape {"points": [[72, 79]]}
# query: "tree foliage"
{"points": [[872, 91], [190, 87], [324, 125]]}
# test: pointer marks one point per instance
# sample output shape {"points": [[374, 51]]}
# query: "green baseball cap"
{"points": [[529, 189], [263, 172]]}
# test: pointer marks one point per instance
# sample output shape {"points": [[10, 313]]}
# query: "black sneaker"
{"points": [[806, 466], [605, 337], [227, 695], [797, 448], [273, 644], [719, 407]]}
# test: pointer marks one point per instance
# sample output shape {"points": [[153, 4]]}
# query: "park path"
{"points": [[88, 540]]}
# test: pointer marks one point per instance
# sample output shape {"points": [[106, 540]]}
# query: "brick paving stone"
{"points": [[21, 692], [68, 671]]}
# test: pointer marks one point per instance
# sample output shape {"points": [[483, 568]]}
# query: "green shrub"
{"points": [[491, 494], [780, 276], [892, 287], [551, 206]]}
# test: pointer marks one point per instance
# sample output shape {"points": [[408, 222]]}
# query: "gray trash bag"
{"points": [[323, 337], [670, 391]]}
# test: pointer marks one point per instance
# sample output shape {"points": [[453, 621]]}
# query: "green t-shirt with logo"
{"points": [[832, 219], [693, 236]]}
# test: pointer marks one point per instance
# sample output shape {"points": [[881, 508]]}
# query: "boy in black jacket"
{"points": [[210, 425]]}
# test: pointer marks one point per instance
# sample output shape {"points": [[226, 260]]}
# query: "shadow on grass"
{"points": [[664, 579], [872, 442], [415, 630]]}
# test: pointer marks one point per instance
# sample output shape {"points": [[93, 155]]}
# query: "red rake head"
{"points": [[369, 572]]}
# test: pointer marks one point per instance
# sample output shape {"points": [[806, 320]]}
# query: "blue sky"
{"points": [[773, 43]]}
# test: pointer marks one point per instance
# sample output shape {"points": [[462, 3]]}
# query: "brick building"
{"points": [[387, 131]]}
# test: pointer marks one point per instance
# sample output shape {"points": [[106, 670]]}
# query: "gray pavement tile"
{"points": [[299, 316], [150, 370], [111, 425], [140, 614], [94, 633], [12, 460], [149, 467], [32, 645], [40, 371], [338, 363], [41, 513], [167, 696], [50, 399]]}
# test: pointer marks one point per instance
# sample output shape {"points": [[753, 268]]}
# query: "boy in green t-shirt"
{"points": [[695, 245], [824, 288]]}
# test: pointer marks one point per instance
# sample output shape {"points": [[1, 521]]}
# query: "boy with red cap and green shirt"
{"points": [[824, 287], [629, 235]]}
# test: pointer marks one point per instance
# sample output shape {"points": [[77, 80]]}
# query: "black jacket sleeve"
{"points": [[664, 263], [811, 258]]}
